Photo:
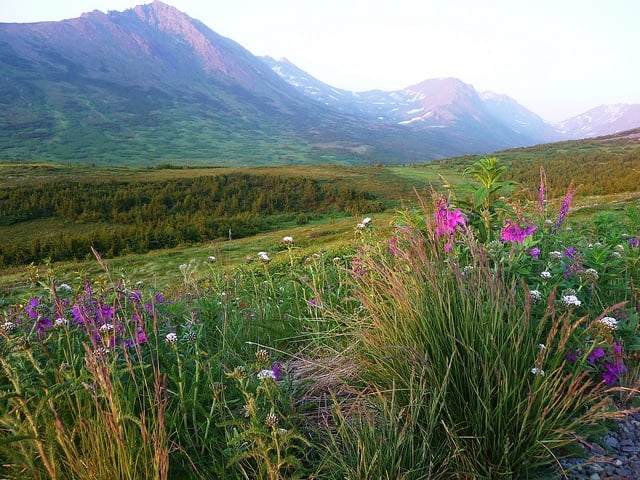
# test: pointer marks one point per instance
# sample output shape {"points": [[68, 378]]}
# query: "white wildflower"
{"points": [[537, 371], [615, 254], [619, 248], [212, 259], [288, 240], [265, 374], [171, 338], [555, 254], [546, 275], [571, 301], [535, 295], [60, 322], [542, 346], [264, 257], [106, 328], [8, 327], [65, 287], [609, 322]]}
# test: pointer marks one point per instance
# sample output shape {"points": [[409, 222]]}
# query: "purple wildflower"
{"points": [[447, 222], [32, 308], [159, 298], [564, 208], [142, 336], [512, 232], [135, 296], [571, 356], [596, 354], [43, 324], [393, 248], [542, 190], [612, 370], [570, 252], [634, 242], [534, 252], [276, 371]]}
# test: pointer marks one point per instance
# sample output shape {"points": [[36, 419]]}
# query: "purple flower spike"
{"points": [[276, 371]]}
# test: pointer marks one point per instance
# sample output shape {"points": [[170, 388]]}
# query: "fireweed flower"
{"points": [[564, 208], [512, 232], [542, 190], [447, 222]]}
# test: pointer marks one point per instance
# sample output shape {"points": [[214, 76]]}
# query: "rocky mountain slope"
{"points": [[151, 85]]}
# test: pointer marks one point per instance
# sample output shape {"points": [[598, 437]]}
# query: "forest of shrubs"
{"points": [[136, 217]]}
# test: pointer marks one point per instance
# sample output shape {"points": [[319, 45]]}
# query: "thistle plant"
{"points": [[260, 425]]}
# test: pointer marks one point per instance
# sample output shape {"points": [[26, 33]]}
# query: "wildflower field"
{"points": [[479, 334]]}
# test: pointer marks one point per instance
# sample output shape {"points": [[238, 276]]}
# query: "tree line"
{"points": [[136, 217]]}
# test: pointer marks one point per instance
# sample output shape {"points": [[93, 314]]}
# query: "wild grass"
{"points": [[402, 350]]}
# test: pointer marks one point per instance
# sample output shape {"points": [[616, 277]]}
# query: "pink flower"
{"points": [[447, 222], [512, 232]]}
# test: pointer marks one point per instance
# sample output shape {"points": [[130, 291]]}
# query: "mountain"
{"points": [[600, 121], [446, 103], [152, 84]]}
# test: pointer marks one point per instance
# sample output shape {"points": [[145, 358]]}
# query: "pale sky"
{"points": [[557, 58]]}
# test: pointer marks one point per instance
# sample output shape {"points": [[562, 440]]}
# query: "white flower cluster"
{"points": [[546, 275], [60, 322], [8, 327], [265, 374], [171, 338], [287, 240], [535, 295], [264, 257], [364, 223], [609, 322], [106, 328], [555, 254], [537, 371], [571, 301]]}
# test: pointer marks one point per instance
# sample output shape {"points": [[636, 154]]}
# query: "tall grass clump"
{"points": [[493, 387]]}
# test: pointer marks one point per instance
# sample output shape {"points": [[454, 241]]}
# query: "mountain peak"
{"points": [[170, 20]]}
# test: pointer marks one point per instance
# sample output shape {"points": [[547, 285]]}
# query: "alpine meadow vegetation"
{"points": [[480, 335]]}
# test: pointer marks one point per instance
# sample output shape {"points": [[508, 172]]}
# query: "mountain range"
{"points": [[151, 85]]}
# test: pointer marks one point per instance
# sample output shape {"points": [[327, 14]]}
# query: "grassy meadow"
{"points": [[469, 327]]}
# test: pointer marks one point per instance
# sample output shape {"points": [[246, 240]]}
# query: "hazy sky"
{"points": [[558, 58]]}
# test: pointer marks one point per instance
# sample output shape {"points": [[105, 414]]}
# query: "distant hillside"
{"points": [[597, 166]]}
